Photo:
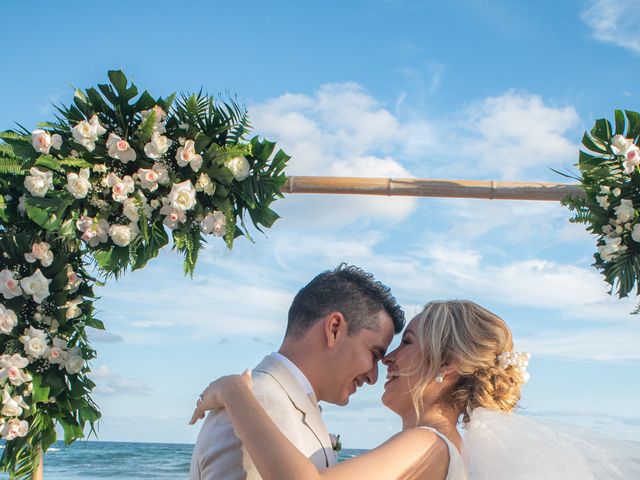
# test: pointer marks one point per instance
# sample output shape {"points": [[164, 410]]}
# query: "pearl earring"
{"points": [[439, 378]]}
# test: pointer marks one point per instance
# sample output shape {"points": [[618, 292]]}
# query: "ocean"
{"points": [[124, 461]]}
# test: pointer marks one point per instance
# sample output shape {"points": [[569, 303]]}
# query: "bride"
{"points": [[455, 364]]}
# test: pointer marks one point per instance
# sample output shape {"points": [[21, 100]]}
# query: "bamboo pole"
{"points": [[38, 473], [414, 187]]}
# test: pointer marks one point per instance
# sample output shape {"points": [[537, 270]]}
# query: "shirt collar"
{"points": [[296, 372]]}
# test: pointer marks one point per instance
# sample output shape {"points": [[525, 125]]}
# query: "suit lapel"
{"points": [[307, 405]]}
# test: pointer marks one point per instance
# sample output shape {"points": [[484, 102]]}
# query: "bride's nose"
{"points": [[389, 359]]}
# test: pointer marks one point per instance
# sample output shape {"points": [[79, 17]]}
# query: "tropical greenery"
{"points": [[95, 192]]}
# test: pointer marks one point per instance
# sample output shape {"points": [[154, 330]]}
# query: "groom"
{"points": [[339, 328]]}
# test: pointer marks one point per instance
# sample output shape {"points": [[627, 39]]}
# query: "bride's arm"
{"points": [[408, 454]]}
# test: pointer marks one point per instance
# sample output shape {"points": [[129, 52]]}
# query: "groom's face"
{"points": [[356, 360]]}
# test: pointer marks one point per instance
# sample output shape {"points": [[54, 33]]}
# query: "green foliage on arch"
{"points": [[102, 188]]}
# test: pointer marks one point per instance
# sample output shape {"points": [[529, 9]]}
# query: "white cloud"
{"points": [[110, 383], [615, 21], [512, 134], [340, 130], [614, 343]]}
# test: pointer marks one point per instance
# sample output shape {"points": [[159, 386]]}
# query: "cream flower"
{"points": [[611, 249], [120, 188], [12, 406], [40, 251], [73, 310], [78, 184], [182, 196], [173, 217], [73, 280], [120, 149], [187, 155], [43, 141], [93, 231], [628, 150], [8, 319], [35, 342], [157, 147], [161, 116], [215, 223], [58, 351], [10, 368], [204, 184], [37, 285], [239, 166], [14, 428], [9, 286], [625, 211], [87, 133], [123, 235], [39, 182], [74, 362], [150, 178]]}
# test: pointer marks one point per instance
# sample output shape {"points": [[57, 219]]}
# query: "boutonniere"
{"points": [[335, 442]]}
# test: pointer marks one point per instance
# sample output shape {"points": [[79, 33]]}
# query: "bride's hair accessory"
{"points": [[518, 360]]}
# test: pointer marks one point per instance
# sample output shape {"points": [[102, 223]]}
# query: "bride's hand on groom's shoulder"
{"points": [[219, 393]]}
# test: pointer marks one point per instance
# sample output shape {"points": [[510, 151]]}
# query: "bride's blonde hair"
{"points": [[469, 337]]}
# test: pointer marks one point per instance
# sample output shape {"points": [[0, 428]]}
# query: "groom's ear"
{"points": [[335, 326]]}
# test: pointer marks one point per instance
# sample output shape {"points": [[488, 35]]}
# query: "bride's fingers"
{"points": [[198, 414]]}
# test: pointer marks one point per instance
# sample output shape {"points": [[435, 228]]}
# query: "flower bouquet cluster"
{"points": [[106, 184], [610, 176]]}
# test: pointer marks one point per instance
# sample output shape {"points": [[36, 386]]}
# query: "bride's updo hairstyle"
{"points": [[469, 337]]}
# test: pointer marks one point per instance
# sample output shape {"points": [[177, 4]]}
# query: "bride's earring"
{"points": [[439, 378]]}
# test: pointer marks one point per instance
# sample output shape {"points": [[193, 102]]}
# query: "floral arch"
{"points": [[101, 188]]}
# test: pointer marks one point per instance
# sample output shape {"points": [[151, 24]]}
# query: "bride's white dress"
{"points": [[456, 464], [505, 446]]}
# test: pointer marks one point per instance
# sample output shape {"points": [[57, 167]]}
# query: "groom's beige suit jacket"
{"points": [[220, 455]]}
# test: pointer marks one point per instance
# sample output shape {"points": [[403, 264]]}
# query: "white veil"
{"points": [[500, 445]]}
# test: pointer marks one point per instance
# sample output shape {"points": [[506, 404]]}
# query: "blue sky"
{"points": [[468, 89]]}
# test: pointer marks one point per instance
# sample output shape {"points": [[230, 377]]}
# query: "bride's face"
{"points": [[402, 372]]}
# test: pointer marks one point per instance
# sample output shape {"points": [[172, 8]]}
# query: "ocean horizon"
{"points": [[95, 459]]}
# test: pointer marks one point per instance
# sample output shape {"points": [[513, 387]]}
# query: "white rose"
{"points": [[182, 196], [122, 235], [14, 428], [8, 319], [625, 211], [157, 147], [9, 286], [56, 355], [74, 364], [187, 155], [43, 141], [37, 285], [39, 182], [35, 342], [22, 208], [130, 209], [78, 185], [215, 223], [635, 233], [120, 188], [40, 251], [239, 166], [120, 149], [154, 203], [86, 133]]}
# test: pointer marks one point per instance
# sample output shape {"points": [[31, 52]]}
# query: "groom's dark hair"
{"points": [[346, 289]]}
